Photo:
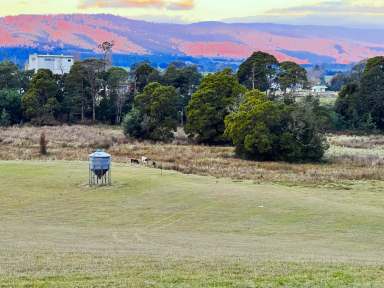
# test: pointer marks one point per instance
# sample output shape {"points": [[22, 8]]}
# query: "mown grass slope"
{"points": [[165, 229]]}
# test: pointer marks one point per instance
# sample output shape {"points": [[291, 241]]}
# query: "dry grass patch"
{"points": [[349, 158]]}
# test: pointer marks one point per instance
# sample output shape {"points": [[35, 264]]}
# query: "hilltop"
{"points": [[80, 34]]}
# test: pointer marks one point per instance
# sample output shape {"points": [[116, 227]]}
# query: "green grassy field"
{"points": [[153, 229]]}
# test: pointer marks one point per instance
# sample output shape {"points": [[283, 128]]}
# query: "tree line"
{"points": [[242, 108], [88, 94]]}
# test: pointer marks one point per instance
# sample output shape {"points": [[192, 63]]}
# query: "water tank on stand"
{"points": [[100, 168]]}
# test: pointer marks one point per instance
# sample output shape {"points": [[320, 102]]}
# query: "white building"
{"points": [[319, 89], [58, 64]]}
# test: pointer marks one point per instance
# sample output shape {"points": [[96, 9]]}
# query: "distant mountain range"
{"points": [[222, 43]]}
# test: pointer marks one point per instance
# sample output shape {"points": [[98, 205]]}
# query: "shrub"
{"points": [[266, 130], [132, 124], [43, 144]]}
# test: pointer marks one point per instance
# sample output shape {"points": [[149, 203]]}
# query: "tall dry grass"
{"points": [[349, 158]]}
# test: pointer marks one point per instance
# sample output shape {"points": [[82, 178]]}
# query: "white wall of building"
{"points": [[319, 89], [58, 64]]}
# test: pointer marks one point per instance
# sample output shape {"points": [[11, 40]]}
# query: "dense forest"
{"points": [[255, 108]]}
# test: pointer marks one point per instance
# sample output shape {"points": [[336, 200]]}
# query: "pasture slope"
{"points": [[153, 229]]}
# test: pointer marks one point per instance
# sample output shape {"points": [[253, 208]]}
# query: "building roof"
{"points": [[54, 56], [320, 87]]}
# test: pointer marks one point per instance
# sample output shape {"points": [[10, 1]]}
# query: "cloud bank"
{"points": [[341, 8], [351, 13], [166, 4]]}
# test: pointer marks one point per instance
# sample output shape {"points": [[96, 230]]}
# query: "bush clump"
{"points": [[263, 129]]}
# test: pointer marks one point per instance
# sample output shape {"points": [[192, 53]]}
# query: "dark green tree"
{"points": [[77, 98], [9, 76], [154, 115], [339, 81], [349, 105], [40, 102], [25, 80], [374, 62], [13, 78], [85, 90], [259, 71], [118, 91], [143, 74], [262, 129], [307, 125], [10, 103], [93, 69], [354, 76], [324, 114], [291, 75], [217, 96], [5, 118], [185, 78], [132, 124], [372, 95], [360, 103]]}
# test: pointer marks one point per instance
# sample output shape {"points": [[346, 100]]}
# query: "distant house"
{"points": [[319, 89], [58, 64]]}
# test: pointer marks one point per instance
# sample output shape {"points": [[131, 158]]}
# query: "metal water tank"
{"points": [[100, 168]]}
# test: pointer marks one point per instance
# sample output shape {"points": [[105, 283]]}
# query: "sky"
{"points": [[324, 12]]}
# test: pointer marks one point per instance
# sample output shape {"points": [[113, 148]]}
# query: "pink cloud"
{"points": [[181, 5]]}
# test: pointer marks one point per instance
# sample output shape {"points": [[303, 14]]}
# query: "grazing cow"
{"points": [[145, 160], [135, 162], [148, 162]]}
